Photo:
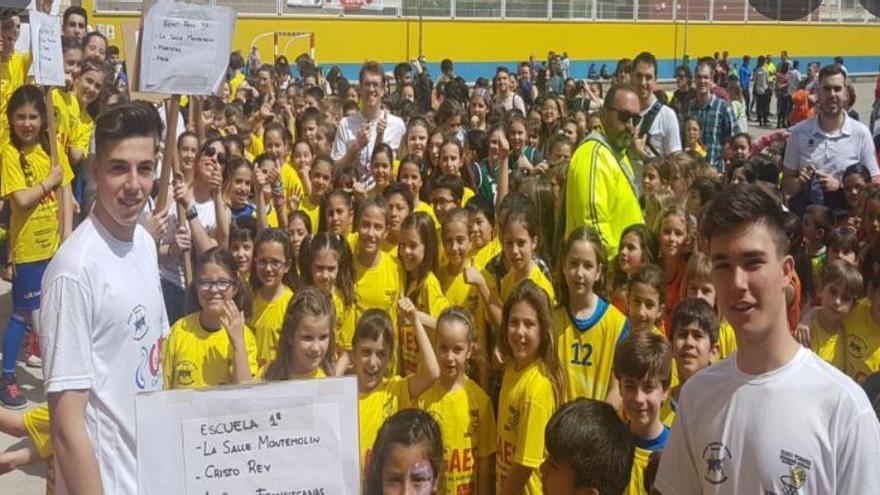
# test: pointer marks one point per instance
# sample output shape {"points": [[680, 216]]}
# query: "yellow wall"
{"points": [[355, 40]]}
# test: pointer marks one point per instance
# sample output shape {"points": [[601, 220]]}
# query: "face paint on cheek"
{"points": [[422, 477]]}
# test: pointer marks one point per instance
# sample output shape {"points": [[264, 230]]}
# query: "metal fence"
{"points": [[827, 11]]}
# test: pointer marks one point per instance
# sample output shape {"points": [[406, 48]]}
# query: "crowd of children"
{"points": [[425, 257]]}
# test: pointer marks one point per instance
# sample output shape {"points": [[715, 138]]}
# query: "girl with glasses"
{"points": [[201, 345]]}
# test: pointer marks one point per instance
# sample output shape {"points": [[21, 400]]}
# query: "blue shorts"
{"points": [[26, 285]]}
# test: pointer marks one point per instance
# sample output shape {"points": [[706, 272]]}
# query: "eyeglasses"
{"points": [[624, 117], [221, 284], [269, 263]]}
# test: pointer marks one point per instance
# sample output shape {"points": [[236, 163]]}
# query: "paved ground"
{"points": [[29, 481]]}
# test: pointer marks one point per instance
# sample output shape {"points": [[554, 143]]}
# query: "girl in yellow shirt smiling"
{"points": [[378, 395], [326, 264], [306, 346], [462, 408], [211, 346], [530, 390], [418, 257], [337, 213], [32, 185], [272, 277]]}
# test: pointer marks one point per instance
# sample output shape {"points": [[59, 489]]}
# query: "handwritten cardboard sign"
{"points": [[185, 48], [45, 31], [297, 436]]}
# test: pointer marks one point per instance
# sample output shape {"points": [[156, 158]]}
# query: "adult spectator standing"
{"points": [[823, 434], [875, 108], [716, 117], [600, 188], [745, 81], [771, 70], [356, 134], [762, 92], [794, 82], [812, 81], [103, 317], [684, 92], [75, 23], [658, 133], [822, 147], [528, 90]]}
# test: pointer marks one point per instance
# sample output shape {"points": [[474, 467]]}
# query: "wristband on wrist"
{"points": [[192, 213]]}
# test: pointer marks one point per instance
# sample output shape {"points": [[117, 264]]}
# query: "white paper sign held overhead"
{"points": [[185, 48], [45, 33]]}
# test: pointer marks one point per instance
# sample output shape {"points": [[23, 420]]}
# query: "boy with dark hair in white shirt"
{"points": [[103, 319], [774, 418]]}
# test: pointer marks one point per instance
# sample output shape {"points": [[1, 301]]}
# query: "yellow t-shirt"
{"points": [[587, 351], [460, 293], [829, 346], [508, 283], [667, 412], [291, 182], [81, 133], [193, 357], [375, 407], [313, 212], [390, 248], [256, 147], [467, 194], [378, 286], [266, 320], [427, 209], [36, 422], [487, 253], [35, 232], [640, 461], [430, 301], [66, 116], [345, 320], [234, 83], [726, 340], [525, 405], [467, 426], [13, 75], [862, 357]]}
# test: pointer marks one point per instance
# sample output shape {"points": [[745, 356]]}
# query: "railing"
{"points": [[809, 11]]}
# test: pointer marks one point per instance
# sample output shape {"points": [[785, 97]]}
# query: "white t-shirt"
{"points": [[347, 132], [803, 429], [830, 153], [102, 323], [170, 268], [663, 135]]}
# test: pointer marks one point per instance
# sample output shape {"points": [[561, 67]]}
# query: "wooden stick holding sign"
{"points": [[171, 165], [172, 110], [48, 72], [65, 198]]}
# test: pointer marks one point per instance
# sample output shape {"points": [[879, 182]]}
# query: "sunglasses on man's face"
{"points": [[624, 117]]}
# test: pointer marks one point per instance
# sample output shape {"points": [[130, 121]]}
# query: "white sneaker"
{"points": [[34, 362]]}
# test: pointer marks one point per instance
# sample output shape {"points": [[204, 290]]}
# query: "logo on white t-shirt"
{"points": [[137, 322], [798, 469], [716, 455]]}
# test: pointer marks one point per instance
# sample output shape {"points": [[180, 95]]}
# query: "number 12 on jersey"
{"points": [[581, 354]]}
